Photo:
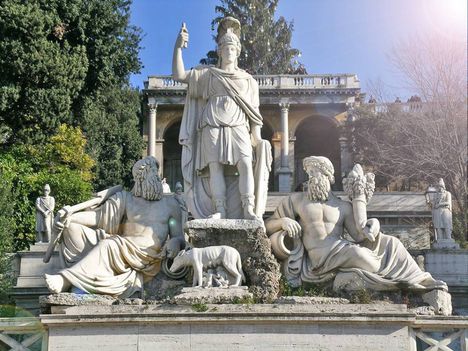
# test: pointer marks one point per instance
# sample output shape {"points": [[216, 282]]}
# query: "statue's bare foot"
{"points": [[56, 283], [249, 214], [219, 214], [216, 215]]}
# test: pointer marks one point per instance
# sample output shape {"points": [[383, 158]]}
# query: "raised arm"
{"points": [[360, 188], [178, 70]]}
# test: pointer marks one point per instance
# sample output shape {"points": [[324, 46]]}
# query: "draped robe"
{"points": [[112, 266], [397, 268], [219, 109]]}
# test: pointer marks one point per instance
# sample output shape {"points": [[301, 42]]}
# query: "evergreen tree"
{"points": [[113, 135], [266, 42], [69, 61]]}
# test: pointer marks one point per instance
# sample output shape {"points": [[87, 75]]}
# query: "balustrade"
{"points": [[282, 81], [25, 334]]}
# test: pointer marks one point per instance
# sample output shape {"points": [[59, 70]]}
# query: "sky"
{"points": [[334, 36]]}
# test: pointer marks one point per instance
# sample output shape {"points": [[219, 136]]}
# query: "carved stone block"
{"points": [[440, 300], [249, 238]]}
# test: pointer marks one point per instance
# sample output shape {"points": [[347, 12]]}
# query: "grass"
{"points": [[199, 307]]}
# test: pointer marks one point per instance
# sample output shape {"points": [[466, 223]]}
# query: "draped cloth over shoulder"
{"points": [[204, 84]]}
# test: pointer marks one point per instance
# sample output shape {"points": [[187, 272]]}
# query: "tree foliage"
{"points": [[113, 135], [420, 142], [69, 61], [25, 169], [6, 240], [266, 42]]}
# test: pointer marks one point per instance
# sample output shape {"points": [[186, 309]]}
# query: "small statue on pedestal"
{"points": [[441, 205], [44, 215], [440, 202]]}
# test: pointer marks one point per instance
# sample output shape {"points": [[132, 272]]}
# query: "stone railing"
{"points": [[283, 81], [22, 334], [447, 335], [403, 106]]}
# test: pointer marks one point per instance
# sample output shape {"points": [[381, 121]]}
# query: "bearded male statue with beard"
{"points": [[316, 220], [116, 247]]}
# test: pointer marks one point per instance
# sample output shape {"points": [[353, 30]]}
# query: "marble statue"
{"points": [[44, 215], [179, 189], [114, 248], [165, 186], [440, 201], [316, 220], [215, 277], [225, 162], [203, 259]]}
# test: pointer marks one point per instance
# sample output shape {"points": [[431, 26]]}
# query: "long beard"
{"points": [[318, 188], [150, 188]]}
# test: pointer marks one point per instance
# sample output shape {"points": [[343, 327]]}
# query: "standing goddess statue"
{"points": [[225, 162]]}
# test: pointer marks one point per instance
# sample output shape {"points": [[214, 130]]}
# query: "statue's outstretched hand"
{"points": [[292, 227]]}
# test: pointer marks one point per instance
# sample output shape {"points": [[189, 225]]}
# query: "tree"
{"points": [[6, 241], [266, 42], [64, 61], [425, 140], [40, 72], [62, 162], [113, 135]]}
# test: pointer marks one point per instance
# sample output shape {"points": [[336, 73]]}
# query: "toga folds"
{"points": [[397, 268], [441, 211], [112, 266], [219, 110]]}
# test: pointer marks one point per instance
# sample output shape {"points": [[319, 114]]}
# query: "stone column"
{"points": [[284, 134], [284, 173], [152, 129]]}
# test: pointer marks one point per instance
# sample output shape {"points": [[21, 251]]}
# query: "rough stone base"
{"points": [[57, 303], [249, 238], [190, 296], [310, 300], [448, 244], [162, 288], [440, 300]]}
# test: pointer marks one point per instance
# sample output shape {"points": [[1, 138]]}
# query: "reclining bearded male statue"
{"points": [[114, 248], [316, 220]]}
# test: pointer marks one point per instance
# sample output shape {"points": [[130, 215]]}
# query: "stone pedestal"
{"points": [[256, 327], [233, 294], [249, 238], [448, 244], [30, 283], [451, 266]]}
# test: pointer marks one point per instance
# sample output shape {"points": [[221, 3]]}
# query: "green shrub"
{"points": [[25, 170]]}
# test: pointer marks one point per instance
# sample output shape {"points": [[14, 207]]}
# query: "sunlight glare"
{"points": [[447, 17]]}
